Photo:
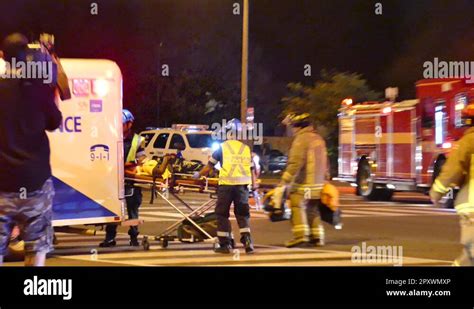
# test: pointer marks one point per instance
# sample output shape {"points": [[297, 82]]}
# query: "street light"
{"points": [[245, 50]]}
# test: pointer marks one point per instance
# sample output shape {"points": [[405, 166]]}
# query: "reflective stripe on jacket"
{"points": [[132, 153], [236, 163]]}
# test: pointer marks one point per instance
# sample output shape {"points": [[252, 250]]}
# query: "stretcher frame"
{"points": [[156, 186]]}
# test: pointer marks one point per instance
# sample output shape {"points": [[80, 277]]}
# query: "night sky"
{"points": [[388, 49]]}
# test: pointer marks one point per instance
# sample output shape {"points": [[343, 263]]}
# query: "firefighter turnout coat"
{"points": [[307, 164], [459, 171]]}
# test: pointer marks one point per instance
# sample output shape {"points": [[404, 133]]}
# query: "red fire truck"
{"points": [[400, 146]]}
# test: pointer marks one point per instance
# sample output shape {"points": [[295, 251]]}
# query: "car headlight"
{"points": [[215, 146]]}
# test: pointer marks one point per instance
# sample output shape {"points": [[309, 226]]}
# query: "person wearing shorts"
{"points": [[27, 110], [32, 215]]}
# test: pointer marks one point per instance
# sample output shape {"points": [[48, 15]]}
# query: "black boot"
{"points": [[246, 240], [134, 241], [316, 242], [108, 243], [224, 248]]}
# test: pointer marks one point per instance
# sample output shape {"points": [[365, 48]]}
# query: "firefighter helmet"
{"points": [[276, 212], [468, 114], [127, 116], [298, 120], [234, 124]]}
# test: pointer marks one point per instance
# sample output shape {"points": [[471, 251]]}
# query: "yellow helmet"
{"points": [[468, 114], [298, 120]]}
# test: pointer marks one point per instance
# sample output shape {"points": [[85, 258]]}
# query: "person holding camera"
{"points": [[27, 110]]}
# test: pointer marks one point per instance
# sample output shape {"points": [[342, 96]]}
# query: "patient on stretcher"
{"points": [[164, 167]]}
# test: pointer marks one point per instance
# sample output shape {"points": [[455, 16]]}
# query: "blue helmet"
{"points": [[127, 116], [234, 124]]}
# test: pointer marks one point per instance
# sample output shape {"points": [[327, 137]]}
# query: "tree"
{"points": [[323, 100]]}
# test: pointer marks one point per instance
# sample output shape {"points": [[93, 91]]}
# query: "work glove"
{"points": [[435, 197], [196, 175], [278, 196]]}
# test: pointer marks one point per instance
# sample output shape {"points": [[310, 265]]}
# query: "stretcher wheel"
{"points": [[164, 243], [146, 243]]}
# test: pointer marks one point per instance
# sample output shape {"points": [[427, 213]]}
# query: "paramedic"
{"points": [[134, 154], [27, 110], [236, 174], [304, 178], [459, 171]]}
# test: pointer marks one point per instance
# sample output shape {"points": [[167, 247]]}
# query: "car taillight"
{"points": [[81, 87], [100, 87]]}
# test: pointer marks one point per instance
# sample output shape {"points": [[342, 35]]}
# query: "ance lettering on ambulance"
{"points": [[71, 124]]}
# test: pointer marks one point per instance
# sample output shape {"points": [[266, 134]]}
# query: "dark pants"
{"points": [[133, 203], [226, 195]]}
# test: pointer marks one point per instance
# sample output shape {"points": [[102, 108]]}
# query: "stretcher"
{"points": [[175, 185]]}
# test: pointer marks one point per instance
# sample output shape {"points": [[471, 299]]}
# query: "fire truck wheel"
{"points": [[367, 188], [384, 194]]}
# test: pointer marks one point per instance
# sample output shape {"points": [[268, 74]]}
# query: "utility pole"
{"points": [[245, 59]]}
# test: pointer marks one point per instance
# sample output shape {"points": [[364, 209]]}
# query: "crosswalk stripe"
{"points": [[393, 213], [262, 257], [400, 210], [257, 258], [371, 213], [156, 219], [81, 248], [341, 263]]}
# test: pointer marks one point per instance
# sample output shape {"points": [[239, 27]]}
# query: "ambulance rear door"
{"points": [[87, 150]]}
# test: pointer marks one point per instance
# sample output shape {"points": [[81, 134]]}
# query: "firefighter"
{"points": [[235, 175], [459, 171], [135, 154], [304, 178]]}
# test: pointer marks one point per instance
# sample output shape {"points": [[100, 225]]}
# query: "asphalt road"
{"points": [[426, 236]]}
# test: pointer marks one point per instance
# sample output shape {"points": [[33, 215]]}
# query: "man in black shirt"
{"points": [[27, 111]]}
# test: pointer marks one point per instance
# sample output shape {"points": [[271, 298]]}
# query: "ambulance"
{"points": [[87, 149]]}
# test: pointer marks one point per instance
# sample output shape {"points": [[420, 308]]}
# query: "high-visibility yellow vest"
{"points": [[132, 153], [236, 163]]}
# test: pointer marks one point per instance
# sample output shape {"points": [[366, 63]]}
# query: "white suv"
{"points": [[196, 139]]}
